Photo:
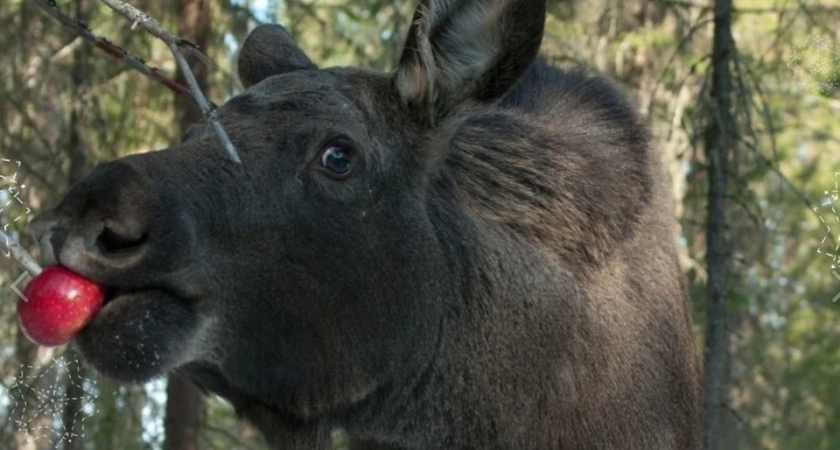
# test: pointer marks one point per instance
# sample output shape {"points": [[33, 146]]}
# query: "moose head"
{"points": [[410, 255]]}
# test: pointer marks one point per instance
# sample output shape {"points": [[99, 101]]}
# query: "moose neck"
{"points": [[489, 268]]}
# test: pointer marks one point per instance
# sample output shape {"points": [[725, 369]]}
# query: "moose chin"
{"points": [[474, 251]]}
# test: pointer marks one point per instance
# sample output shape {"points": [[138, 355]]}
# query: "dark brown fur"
{"points": [[498, 272]]}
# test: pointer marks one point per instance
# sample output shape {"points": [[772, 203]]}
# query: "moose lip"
{"points": [[114, 297], [113, 294]]}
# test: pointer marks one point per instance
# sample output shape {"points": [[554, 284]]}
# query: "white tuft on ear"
{"points": [[460, 50]]}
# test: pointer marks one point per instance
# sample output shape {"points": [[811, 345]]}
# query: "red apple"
{"points": [[58, 303]]}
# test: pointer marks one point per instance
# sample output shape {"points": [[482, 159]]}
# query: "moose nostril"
{"points": [[112, 241]]}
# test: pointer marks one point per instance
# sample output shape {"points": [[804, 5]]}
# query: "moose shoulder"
{"points": [[475, 251]]}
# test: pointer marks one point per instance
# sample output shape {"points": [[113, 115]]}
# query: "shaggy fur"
{"points": [[497, 271]]}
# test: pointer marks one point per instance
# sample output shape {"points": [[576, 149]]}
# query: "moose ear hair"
{"points": [[270, 50], [465, 53]]}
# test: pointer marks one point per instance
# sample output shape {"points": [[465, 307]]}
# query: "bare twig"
{"points": [[146, 21], [742, 71], [108, 47], [208, 110], [175, 43], [19, 254]]}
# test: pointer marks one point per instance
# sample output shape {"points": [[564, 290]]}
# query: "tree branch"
{"points": [[175, 43], [115, 51], [152, 26], [19, 254]]}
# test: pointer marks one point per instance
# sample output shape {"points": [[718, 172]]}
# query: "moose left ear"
{"points": [[270, 50], [463, 53]]}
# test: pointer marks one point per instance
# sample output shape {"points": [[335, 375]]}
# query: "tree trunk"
{"points": [[79, 163], [185, 411], [33, 423], [719, 142], [74, 394], [194, 24], [184, 415], [76, 150]]}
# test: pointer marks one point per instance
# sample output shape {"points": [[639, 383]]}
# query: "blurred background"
{"points": [[758, 89]]}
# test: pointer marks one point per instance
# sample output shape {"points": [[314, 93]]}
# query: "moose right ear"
{"points": [[270, 50], [461, 54]]}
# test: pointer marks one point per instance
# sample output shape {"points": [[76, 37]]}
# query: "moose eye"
{"points": [[337, 161]]}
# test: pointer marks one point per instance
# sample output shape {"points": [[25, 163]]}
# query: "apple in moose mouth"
{"points": [[58, 303]]}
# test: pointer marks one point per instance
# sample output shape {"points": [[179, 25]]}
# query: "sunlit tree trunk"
{"points": [[32, 422]]}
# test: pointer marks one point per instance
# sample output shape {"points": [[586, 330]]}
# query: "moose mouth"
{"points": [[139, 333], [112, 293], [115, 294], [128, 301]]}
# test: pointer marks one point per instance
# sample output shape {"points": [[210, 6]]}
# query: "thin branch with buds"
{"points": [[19, 254], [175, 43], [152, 26], [108, 47]]}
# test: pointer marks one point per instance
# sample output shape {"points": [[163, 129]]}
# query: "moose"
{"points": [[475, 250]]}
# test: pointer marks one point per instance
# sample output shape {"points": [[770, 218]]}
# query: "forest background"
{"points": [[743, 101]]}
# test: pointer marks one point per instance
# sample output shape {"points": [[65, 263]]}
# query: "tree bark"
{"points": [[719, 142], [194, 24], [77, 154], [74, 393], [76, 149], [39, 374], [184, 415], [33, 424], [185, 409]]}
